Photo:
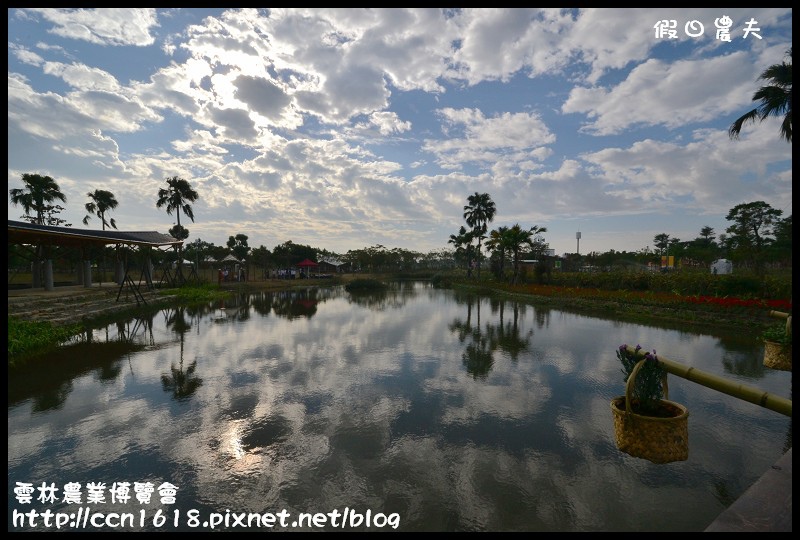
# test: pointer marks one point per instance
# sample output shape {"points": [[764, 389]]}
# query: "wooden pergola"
{"points": [[23, 233]]}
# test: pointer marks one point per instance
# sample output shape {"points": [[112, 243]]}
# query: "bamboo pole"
{"points": [[732, 388], [783, 315]]}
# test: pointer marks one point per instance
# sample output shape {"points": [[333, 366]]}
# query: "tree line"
{"points": [[758, 236]]}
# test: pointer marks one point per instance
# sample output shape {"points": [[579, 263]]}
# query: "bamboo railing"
{"points": [[715, 382]]}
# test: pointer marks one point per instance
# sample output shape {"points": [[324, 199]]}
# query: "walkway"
{"points": [[74, 304]]}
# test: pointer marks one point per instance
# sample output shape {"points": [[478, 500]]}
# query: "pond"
{"points": [[416, 409]]}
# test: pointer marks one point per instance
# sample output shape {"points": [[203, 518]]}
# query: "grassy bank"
{"points": [[749, 315]]}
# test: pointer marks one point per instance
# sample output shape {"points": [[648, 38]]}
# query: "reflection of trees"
{"points": [[236, 307], [291, 304], [750, 365], [52, 398], [541, 316], [181, 382], [394, 296], [478, 356], [261, 303], [375, 300], [741, 355], [506, 336], [48, 382], [295, 304]]}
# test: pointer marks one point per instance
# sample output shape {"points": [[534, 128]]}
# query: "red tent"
{"points": [[307, 264]]}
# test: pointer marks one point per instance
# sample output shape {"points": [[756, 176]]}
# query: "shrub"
{"points": [[365, 284]]}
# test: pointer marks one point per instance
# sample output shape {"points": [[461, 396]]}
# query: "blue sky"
{"points": [[344, 128]]}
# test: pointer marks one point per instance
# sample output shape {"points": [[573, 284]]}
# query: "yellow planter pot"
{"points": [[656, 439], [659, 439], [777, 356]]}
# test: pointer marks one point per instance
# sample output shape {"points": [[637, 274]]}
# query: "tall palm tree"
{"points": [[775, 100], [176, 197], [479, 211], [101, 203], [36, 197]]}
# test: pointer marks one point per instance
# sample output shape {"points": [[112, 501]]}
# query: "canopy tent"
{"points": [[231, 258], [238, 271], [307, 264]]}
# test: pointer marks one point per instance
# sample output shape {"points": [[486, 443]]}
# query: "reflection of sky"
{"points": [[368, 404]]}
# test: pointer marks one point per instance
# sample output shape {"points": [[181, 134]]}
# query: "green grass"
{"points": [[26, 338], [203, 292]]}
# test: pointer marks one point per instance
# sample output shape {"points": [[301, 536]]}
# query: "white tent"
{"points": [[722, 266], [238, 267]]}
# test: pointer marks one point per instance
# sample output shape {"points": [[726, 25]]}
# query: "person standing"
{"points": [[219, 277]]}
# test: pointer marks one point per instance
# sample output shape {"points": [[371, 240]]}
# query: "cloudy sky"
{"points": [[345, 128]]}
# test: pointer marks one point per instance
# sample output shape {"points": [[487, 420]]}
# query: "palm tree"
{"points": [[36, 198], [177, 198], [775, 100], [462, 242], [479, 211], [101, 203], [498, 243], [517, 238]]}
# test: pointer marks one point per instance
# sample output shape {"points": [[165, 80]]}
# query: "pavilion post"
{"points": [[48, 275], [87, 273]]}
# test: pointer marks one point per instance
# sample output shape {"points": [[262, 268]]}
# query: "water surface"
{"points": [[438, 410]]}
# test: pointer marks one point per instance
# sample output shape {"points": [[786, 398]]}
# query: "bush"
{"points": [[777, 334], [441, 282], [365, 284]]}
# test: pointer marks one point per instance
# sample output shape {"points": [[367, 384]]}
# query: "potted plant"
{"points": [[646, 424], [778, 347]]}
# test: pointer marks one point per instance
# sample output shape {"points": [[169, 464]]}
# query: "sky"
{"points": [[346, 128]]}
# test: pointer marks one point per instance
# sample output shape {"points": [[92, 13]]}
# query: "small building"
{"points": [[721, 266]]}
